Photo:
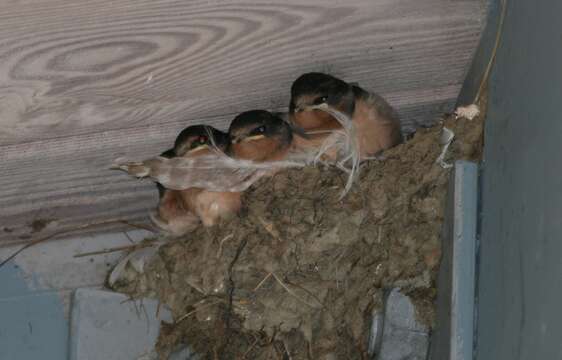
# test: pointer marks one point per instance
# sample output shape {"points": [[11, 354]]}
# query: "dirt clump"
{"points": [[300, 272]]}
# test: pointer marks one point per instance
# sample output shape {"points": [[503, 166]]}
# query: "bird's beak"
{"points": [[322, 106], [205, 146], [298, 130], [237, 140], [252, 138], [303, 108]]}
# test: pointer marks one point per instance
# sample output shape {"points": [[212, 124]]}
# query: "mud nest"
{"points": [[300, 272]]}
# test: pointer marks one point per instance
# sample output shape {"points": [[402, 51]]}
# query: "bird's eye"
{"points": [[321, 100], [258, 131], [201, 140]]}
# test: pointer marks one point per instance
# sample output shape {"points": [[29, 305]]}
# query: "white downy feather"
{"points": [[447, 136], [345, 143], [137, 259]]}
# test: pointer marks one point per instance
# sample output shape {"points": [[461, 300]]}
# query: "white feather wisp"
{"points": [[214, 172], [344, 143], [219, 172]]}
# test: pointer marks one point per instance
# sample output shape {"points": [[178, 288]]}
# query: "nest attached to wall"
{"points": [[300, 272]]}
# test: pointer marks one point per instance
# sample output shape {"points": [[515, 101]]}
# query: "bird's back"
{"points": [[376, 121]]}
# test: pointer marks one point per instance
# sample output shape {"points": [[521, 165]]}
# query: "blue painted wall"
{"points": [[520, 272], [32, 321]]}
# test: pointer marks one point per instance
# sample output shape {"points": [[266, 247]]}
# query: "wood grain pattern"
{"points": [[82, 82]]}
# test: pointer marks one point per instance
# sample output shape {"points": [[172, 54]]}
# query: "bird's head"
{"points": [[317, 92], [196, 138], [258, 135]]}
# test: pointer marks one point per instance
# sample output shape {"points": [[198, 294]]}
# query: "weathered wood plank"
{"points": [[83, 82], [75, 67]]}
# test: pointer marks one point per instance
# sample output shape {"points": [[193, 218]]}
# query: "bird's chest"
{"points": [[315, 120], [265, 149], [191, 197], [211, 206]]}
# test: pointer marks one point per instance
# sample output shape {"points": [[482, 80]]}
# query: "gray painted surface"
{"points": [[520, 271], [32, 323], [35, 291], [403, 337], [109, 326], [453, 337], [464, 261]]}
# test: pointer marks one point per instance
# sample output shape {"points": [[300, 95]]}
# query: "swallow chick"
{"points": [[260, 136], [376, 123], [179, 211]]}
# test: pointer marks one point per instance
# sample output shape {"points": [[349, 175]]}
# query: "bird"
{"points": [[376, 123], [180, 211], [260, 136]]}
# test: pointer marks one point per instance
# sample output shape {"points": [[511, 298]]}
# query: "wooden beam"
{"points": [[83, 82]]}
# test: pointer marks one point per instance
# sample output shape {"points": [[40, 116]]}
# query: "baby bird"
{"points": [[259, 135], [180, 211], [376, 123]]}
